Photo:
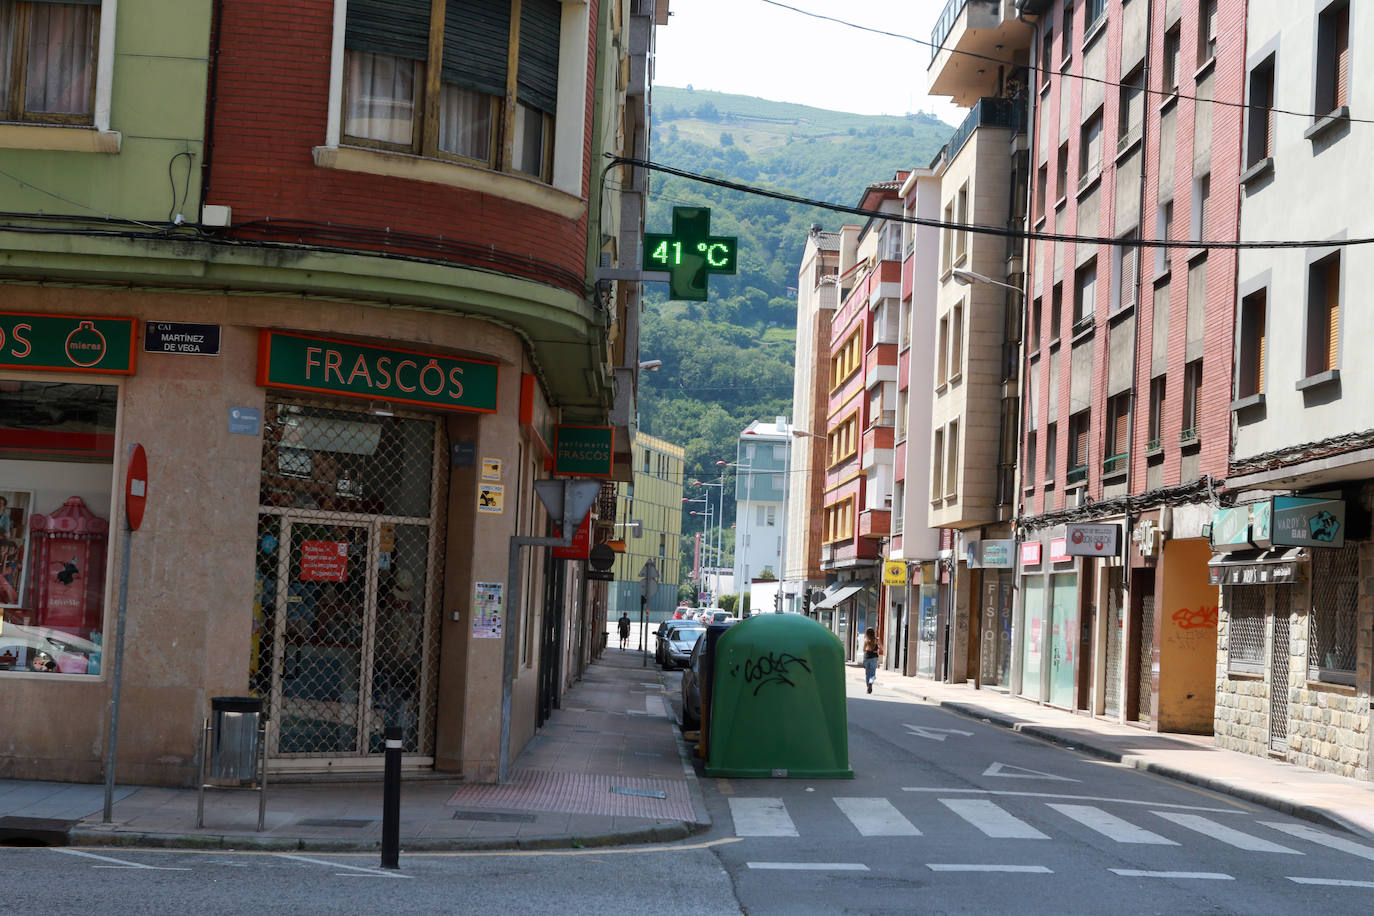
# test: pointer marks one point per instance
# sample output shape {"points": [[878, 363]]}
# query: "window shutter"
{"points": [[476, 45], [1333, 311], [1341, 30], [1122, 418], [1261, 344], [1130, 258], [398, 28], [1080, 444], [537, 74]]}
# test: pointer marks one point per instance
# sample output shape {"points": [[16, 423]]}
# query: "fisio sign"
{"points": [[354, 370]]}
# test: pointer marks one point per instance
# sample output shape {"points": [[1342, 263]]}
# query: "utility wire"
{"points": [[1065, 73], [997, 231]]}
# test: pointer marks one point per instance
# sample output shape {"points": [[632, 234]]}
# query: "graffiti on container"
{"points": [[772, 668]]}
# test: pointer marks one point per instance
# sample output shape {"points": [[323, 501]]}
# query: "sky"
{"points": [[751, 47]]}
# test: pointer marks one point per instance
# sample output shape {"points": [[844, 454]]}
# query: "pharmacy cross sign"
{"points": [[690, 254]]}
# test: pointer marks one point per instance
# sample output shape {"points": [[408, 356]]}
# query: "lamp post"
{"points": [[741, 567], [706, 531], [720, 518]]}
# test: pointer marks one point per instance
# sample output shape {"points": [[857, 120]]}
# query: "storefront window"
{"points": [[56, 455]]}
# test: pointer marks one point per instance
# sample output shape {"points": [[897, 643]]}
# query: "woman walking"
{"points": [[871, 652]]}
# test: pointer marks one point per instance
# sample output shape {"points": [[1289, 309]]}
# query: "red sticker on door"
{"points": [[324, 561]]}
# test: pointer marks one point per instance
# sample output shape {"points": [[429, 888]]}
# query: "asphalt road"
{"points": [[944, 815]]}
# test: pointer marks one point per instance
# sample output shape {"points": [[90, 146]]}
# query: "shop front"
{"points": [[1050, 634]]}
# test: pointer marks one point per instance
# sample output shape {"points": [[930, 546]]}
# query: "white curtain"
{"points": [[379, 98], [529, 141], [465, 123], [61, 58]]}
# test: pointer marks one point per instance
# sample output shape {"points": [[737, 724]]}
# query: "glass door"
{"points": [[1063, 638]]}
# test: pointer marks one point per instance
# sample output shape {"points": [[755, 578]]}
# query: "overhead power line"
{"points": [[1065, 73], [997, 231]]}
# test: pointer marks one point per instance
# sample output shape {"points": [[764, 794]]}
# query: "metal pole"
{"points": [[391, 800], [116, 678], [643, 629]]}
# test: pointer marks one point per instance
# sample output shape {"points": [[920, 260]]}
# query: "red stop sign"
{"points": [[136, 486]]}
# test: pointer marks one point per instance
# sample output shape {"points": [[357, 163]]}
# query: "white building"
{"points": [[761, 466]]}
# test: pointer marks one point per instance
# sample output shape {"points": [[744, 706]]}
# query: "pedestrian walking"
{"points": [[624, 624], [871, 652]]}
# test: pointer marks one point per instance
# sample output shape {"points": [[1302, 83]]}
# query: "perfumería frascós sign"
{"points": [[67, 343], [302, 363], [583, 451]]}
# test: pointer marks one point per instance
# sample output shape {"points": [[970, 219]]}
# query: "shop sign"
{"points": [[1059, 550], [1231, 529], [581, 544], [1030, 553], [1301, 521], [992, 554], [353, 370], [1094, 540], [894, 573], [67, 343], [324, 561], [181, 337], [1254, 573], [1261, 524], [583, 451]]}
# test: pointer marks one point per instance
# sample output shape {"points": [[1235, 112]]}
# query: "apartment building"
{"points": [[649, 525], [762, 468]]}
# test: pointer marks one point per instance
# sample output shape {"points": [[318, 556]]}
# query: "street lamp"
{"points": [[651, 365], [707, 531], [968, 278], [720, 524], [741, 567]]}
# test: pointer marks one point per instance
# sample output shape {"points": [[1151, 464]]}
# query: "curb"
{"points": [[1278, 803]]}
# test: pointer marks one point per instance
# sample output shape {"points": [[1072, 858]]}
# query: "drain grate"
{"points": [[642, 793], [500, 817], [34, 831], [337, 821]]}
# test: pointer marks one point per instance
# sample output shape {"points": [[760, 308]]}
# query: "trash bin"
{"points": [[234, 739]]}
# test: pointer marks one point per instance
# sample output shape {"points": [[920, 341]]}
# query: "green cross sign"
{"points": [[690, 254]]}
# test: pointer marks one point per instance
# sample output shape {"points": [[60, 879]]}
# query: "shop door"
{"points": [[996, 625], [1115, 622], [1063, 638], [1278, 672], [345, 635], [1145, 659], [1033, 636]]}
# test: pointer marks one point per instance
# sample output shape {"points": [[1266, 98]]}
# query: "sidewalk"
{"points": [[1323, 798], [608, 768]]}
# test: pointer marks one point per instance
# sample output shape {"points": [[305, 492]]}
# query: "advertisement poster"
{"points": [[14, 529], [486, 610], [324, 561]]}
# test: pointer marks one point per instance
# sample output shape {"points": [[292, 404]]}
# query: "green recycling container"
{"points": [[777, 701]]}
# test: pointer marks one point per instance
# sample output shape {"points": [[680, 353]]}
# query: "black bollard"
{"points": [[391, 800]]}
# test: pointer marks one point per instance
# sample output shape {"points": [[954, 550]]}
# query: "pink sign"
{"points": [[1059, 550], [324, 561], [1030, 553]]}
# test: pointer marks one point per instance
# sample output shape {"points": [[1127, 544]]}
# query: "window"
{"points": [[961, 214], [1206, 31], [839, 520], [1118, 433], [48, 60], [1259, 128], [843, 440], [1333, 58], [1332, 642], [1056, 310], [1090, 149], [1131, 108], [482, 90], [1079, 427], [1042, 182], [1084, 294], [1051, 451], [1046, 57], [1323, 314], [1245, 619], [1164, 227], [1125, 275], [942, 353], [846, 360], [1202, 197], [1158, 386], [952, 461], [1037, 312], [937, 465], [1066, 33], [1095, 10], [956, 341], [1192, 390], [1061, 175], [1029, 479], [1251, 356], [53, 622], [947, 240], [1169, 80]]}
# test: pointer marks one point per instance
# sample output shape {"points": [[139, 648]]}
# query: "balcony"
{"points": [[1114, 465], [875, 523], [1006, 113], [986, 27], [1076, 475]]}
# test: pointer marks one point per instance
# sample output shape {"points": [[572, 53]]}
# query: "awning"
{"points": [[1258, 567], [838, 595]]}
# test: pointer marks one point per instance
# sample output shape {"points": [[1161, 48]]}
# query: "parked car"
{"points": [[680, 612], [677, 645], [691, 686], [718, 615]]}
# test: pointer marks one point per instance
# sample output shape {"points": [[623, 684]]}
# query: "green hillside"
{"points": [[728, 361]]}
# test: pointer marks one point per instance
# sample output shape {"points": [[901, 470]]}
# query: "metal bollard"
{"points": [[391, 800]]}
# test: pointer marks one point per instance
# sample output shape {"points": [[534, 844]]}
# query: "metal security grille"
{"points": [[1145, 664], [1116, 631], [1335, 587], [1245, 612], [349, 560], [1278, 671]]}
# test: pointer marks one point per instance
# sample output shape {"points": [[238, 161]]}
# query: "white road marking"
{"points": [[1199, 875], [119, 863], [1006, 770], [1304, 832], [938, 734], [352, 868], [809, 866], [1086, 798], [1026, 869], [876, 817], [1332, 882], [761, 817], [1111, 826], [1224, 834], [992, 820]]}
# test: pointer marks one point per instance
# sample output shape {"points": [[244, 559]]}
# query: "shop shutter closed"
{"points": [[476, 45], [399, 28], [537, 73]]}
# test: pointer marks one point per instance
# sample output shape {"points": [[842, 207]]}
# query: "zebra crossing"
{"points": [[1148, 824]]}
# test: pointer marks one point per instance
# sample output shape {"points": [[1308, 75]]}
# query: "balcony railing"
{"points": [[944, 25], [1076, 475], [986, 113], [1188, 435], [1114, 464], [1154, 445]]}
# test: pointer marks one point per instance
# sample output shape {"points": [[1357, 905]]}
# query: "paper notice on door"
{"points": [[324, 561], [486, 610]]}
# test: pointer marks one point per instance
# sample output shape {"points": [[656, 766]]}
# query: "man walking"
{"points": [[624, 624]]}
